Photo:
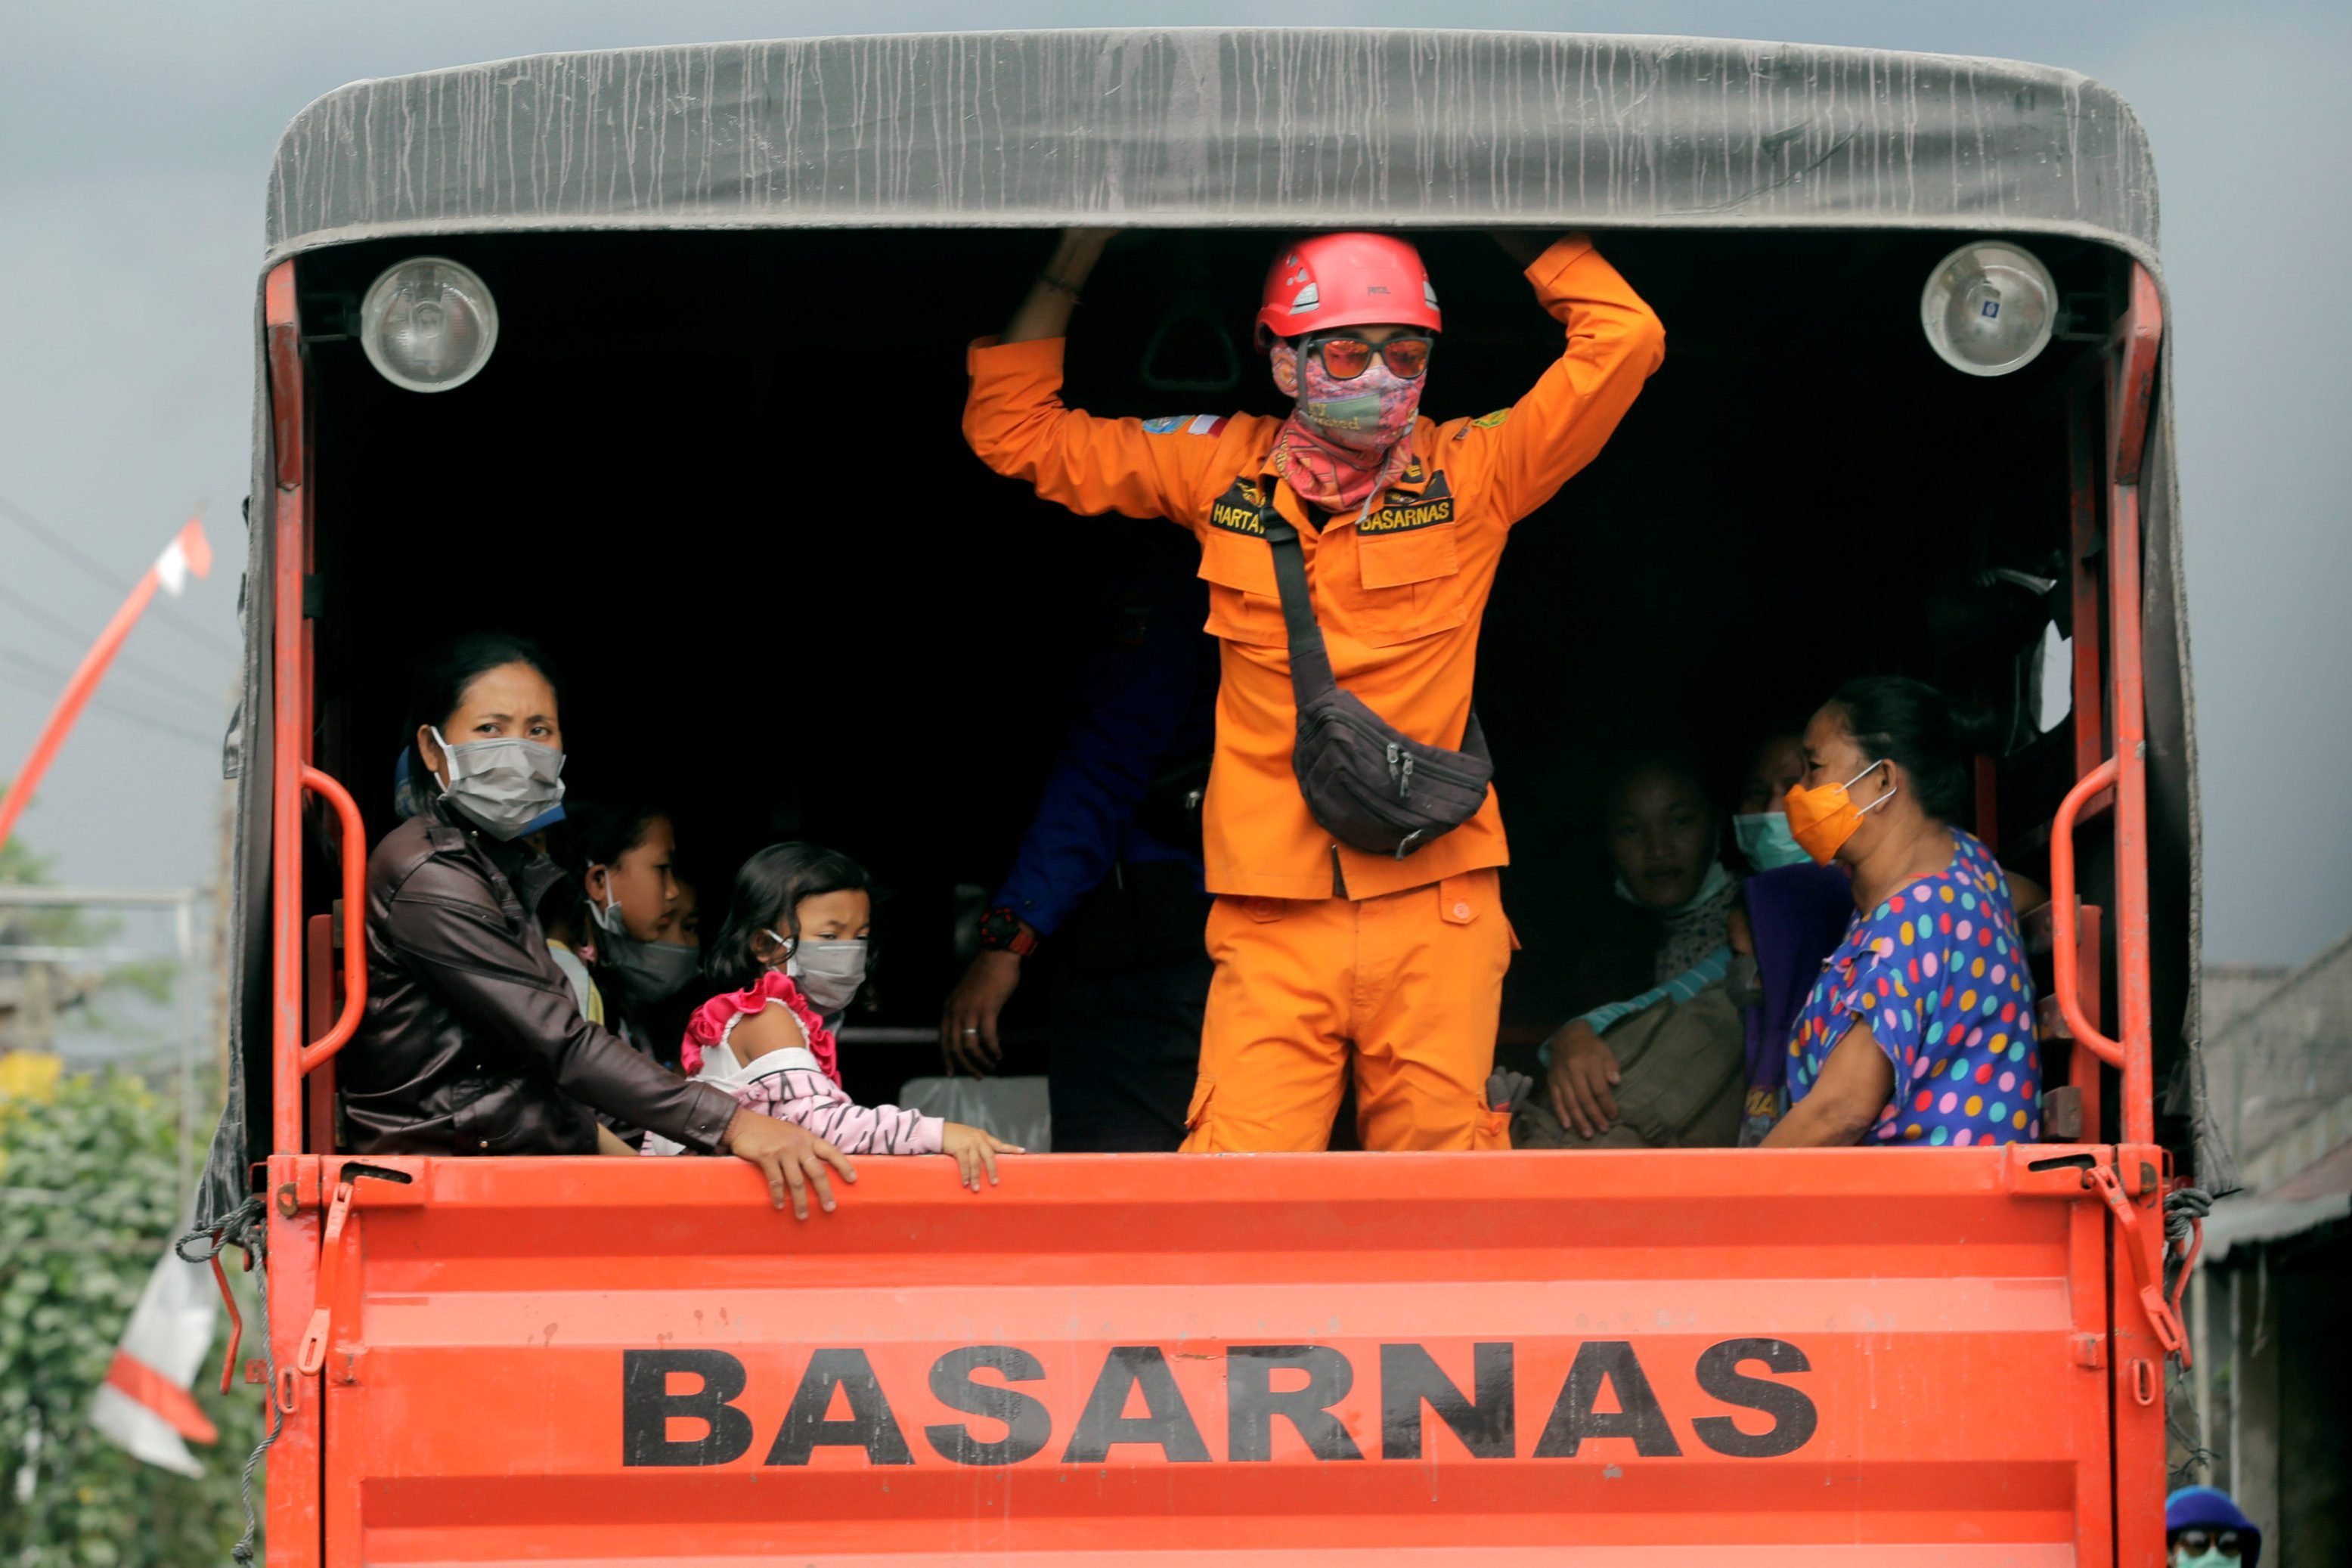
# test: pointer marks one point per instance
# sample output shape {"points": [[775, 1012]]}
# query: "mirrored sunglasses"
{"points": [[1347, 358], [2197, 1542]]}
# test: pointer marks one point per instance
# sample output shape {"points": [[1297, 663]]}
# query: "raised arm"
{"points": [[1014, 418], [1045, 312], [1522, 455]]}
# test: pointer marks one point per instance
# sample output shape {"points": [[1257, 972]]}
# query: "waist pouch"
{"points": [[1370, 785]]}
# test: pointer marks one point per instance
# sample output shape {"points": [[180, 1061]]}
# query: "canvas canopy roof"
{"points": [[1202, 127], [1192, 127]]}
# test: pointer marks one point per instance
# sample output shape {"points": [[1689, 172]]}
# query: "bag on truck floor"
{"points": [[1370, 785]]}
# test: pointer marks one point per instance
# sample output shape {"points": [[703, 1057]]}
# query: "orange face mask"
{"points": [[1822, 820]]}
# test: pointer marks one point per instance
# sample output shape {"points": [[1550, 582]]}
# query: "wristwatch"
{"points": [[1002, 930]]}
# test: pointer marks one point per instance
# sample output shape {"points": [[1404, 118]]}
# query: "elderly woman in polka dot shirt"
{"points": [[1919, 1031]]}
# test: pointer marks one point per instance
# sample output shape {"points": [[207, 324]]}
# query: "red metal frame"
{"points": [[2132, 388], [2140, 1338], [289, 721], [294, 1473], [2145, 1328]]}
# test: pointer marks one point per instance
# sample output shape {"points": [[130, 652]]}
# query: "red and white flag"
{"points": [[145, 1404]]}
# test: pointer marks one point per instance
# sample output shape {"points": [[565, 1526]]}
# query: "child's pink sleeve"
{"points": [[811, 1101]]}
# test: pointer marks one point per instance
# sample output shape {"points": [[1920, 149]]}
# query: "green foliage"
{"points": [[72, 1263]]}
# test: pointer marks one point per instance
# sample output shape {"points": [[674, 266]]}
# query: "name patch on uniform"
{"points": [[1237, 510], [1186, 425], [1401, 510]]}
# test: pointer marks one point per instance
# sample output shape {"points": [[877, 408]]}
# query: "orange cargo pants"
{"points": [[1408, 986]]}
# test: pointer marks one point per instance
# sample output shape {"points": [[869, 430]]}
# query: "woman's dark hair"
{"points": [[1910, 723], [441, 682], [769, 888]]}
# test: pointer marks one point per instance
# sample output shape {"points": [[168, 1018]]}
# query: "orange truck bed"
{"points": [[1953, 1356], [1635, 1358]]}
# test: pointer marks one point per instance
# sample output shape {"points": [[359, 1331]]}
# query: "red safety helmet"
{"points": [[1345, 281]]}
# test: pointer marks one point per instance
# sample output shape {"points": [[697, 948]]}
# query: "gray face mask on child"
{"points": [[646, 971], [829, 973]]}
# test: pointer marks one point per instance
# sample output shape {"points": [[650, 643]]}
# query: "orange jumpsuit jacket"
{"points": [[1399, 591]]}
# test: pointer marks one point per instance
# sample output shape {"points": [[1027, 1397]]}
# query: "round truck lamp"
{"points": [[428, 324], [1989, 307]]}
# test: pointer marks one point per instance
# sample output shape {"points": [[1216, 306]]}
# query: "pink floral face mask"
{"points": [[1345, 439]]}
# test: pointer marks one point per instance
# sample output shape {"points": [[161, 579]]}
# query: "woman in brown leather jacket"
{"points": [[472, 1042]]}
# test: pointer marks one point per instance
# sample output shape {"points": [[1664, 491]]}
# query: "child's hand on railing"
{"points": [[974, 1152]]}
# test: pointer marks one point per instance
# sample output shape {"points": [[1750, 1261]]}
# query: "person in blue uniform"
{"points": [[1109, 875]]}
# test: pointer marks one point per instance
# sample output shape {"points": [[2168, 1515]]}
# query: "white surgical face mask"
{"points": [[507, 786], [1764, 837]]}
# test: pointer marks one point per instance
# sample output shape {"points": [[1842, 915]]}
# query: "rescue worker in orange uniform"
{"points": [[1325, 954]]}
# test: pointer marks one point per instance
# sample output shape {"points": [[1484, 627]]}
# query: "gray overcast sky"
{"points": [[134, 140]]}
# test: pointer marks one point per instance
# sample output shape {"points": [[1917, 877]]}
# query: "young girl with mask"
{"points": [[792, 955], [629, 873], [622, 906], [472, 1042], [1919, 1030]]}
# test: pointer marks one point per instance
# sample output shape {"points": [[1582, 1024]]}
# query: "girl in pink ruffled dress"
{"points": [[792, 953]]}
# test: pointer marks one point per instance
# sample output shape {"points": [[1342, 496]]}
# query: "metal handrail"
{"points": [[2066, 931], [347, 1022]]}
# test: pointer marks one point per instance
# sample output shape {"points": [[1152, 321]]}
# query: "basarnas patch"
{"points": [[1403, 510]]}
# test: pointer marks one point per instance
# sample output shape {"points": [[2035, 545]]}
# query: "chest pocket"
{"points": [[1245, 605], [1408, 578]]}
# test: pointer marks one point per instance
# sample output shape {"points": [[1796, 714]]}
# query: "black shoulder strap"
{"points": [[1310, 660]]}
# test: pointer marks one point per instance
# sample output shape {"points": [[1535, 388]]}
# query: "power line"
{"points": [[106, 710], [47, 679], [110, 579], [124, 661]]}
